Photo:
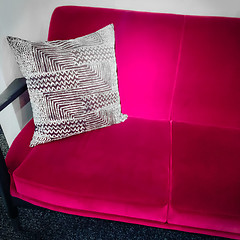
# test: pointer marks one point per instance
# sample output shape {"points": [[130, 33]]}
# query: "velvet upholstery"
{"points": [[207, 87], [205, 168], [108, 169], [175, 162], [146, 55]]}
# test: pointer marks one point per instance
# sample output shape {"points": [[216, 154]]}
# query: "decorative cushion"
{"points": [[72, 84]]}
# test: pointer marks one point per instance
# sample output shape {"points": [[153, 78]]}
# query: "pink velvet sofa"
{"points": [[175, 162]]}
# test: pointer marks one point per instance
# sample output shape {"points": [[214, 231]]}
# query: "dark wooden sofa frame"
{"points": [[13, 91]]}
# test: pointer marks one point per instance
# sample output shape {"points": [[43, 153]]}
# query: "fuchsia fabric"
{"points": [[207, 86], [115, 166], [175, 162], [147, 47], [205, 177]]}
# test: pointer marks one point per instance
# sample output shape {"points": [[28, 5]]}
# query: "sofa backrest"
{"points": [[147, 47], [207, 90], [184, 68]]}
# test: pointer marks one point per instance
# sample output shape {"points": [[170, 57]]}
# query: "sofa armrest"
{"points": [[14, 90], [5, 191], [4, 177]]}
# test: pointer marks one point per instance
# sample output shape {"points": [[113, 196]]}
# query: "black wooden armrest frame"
{"points": [[14, 90]]}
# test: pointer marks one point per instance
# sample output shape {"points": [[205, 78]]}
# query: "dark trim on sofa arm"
{"points": [[14, 90], [12, 210]]}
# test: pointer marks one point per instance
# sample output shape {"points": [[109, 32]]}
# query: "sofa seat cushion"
{"points": [[122, 169], [205, 177]]}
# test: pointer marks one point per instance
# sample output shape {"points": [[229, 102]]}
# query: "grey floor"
{"points": [[46, 224]]}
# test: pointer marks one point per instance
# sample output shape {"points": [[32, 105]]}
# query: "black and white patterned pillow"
{"points": [[72, 84]]}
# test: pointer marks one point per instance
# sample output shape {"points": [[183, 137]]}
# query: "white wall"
{"points": [[29, 19]]}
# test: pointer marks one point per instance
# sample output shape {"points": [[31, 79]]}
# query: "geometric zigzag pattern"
{"points": [[72, 84]]}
